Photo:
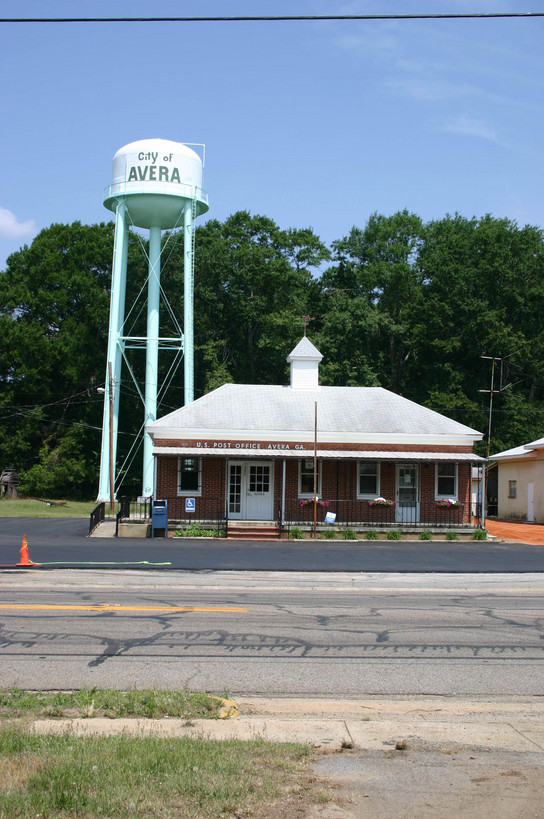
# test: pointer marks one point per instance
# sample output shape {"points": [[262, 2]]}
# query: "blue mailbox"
{"points": [[159, 516]]}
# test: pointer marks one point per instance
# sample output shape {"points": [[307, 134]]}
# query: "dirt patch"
{"points": [[516, 531], [430, 783]]}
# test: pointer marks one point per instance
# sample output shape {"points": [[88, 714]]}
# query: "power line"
{"points": [[283, 18]]}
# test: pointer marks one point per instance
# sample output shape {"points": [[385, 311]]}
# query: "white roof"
{"points": [[305, 349], [524, 451], [344, 413]]}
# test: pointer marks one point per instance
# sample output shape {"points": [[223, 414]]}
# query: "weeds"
{"points": [[296, 533], [349, 534], [479, 534], [426, 535], [452, 536], [107, 703], [372, 534], [393, 534], [329, 534]]}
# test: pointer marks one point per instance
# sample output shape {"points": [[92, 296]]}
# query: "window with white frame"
{"points": [[368, 484], [306, 478], [189, 476], [446, 480]]}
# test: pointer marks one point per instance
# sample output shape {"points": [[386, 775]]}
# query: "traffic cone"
{"points": [[25, 557]]}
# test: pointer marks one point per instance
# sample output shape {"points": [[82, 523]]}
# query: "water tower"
{"points": [[156, 185]]}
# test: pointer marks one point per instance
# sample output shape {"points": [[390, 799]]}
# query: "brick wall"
{"points": [[339, 483], [209, 505]]}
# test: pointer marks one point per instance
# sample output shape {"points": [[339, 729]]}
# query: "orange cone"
{"points": [[25, 557]]}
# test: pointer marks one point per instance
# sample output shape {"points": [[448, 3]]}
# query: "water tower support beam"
{"points": [[117, 309], [119, 347], [188, 306], [152, 351]]}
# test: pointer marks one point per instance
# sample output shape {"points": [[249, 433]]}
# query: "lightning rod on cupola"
{"points": [[156, 185]]}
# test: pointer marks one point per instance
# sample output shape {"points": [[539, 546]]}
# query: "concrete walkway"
{"points": [[512, 530], [105, 528], [371, 724]]}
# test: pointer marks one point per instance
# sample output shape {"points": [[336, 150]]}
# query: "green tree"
{"points": [[54, 298], [253, 282], [370, 298], [484, 291]]}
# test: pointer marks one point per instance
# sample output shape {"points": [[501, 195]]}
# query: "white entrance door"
{"points": [[407, 493], [530, 502], [251, 490]]}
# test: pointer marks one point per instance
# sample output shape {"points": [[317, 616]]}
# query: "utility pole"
{"points": [[492, 391], [315, 470]]}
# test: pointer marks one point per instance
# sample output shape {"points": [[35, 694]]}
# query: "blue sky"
{"points": [[312, 124]]}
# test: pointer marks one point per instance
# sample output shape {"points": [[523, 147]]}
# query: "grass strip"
{"points": [[28, 508], [106, 702], [91, 777]]}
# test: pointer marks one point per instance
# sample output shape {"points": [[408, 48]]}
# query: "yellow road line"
{"points": [[116, 607]]}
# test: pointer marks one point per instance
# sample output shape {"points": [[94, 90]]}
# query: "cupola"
{"points": [[304, 361]]}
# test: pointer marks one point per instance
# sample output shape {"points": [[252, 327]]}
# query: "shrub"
{"points": [[451, 536], [349, 534], [296, 533], [196, 530], [330, 534], [394, 534], [372, 534], [426, 535], [480, 534]]}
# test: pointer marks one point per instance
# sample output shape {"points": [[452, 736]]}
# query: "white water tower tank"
{"points": [[154, 175]]}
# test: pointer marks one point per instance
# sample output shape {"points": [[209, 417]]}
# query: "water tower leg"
{"points": [[152, 352], [188, 302], [118, 360], [118, 287]]}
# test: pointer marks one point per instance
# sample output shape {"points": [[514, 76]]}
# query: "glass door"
{"points": [[407, 493], [235, 490], [250, 490]]}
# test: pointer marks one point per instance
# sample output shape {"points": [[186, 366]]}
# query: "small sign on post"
{"points": [[190, 505], [330, 517]]}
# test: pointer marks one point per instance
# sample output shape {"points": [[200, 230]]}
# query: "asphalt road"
{"points": [[287, 634], [56, 543]]}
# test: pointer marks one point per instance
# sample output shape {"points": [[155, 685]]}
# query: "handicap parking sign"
{"points": [[189, 504]]}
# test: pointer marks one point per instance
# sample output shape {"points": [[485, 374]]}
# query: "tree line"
{"points": [[408, 305]]}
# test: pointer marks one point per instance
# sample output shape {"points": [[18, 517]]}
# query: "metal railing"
{"points": [[358, 513], [139, 509], [206, 510], [97, 516]]}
